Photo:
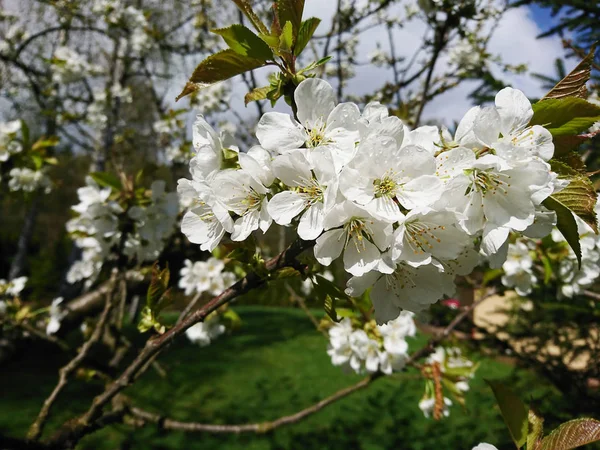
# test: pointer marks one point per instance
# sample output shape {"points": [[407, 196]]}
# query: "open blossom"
{"points": [[385, 351], [323, 128], [57, 313], [517, 268], [203, 333], [27, 180], [351, 230], [12, 288], [383, 176], [313, 191], [406, 210], [205, 276]]}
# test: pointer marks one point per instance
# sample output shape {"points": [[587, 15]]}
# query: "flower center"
{"points": [[487, 182], [316, 137], [357, 230], [385, 187], [311, 191], [421, 236]]}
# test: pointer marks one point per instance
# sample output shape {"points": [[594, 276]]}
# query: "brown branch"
{"points": [[438, 46], [37, 427], [296, 298], [188, 308], [144, 416], [261, 427], [72, 430]]}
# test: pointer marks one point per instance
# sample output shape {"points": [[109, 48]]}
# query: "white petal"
{"points": [[311, 222], [361, 258], [329, 246], [278, 132], [487, 125], [315, 100], [285, 206], [514, 108], [245, 225]]}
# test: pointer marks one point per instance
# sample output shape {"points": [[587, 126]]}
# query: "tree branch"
{"points": [[37, 427], [261, 427], [72, 430]]}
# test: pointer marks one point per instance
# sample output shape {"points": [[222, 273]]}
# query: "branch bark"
{"points": [[72, 430], [37, 427]]}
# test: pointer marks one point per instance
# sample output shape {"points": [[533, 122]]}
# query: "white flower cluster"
{"points": [[465, 55], [453, 363], [203, 333], [402, 208], [28, 180], [96, 228], [68, 66], [96, 111], [520, 264], [154, 223], [55, 316], [383, 348], [10, 289], [518, 268], [205, 276], [117, 12], [8, 144]]}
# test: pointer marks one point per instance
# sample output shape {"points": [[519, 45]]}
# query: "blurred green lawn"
{"points": [[274, 365]]}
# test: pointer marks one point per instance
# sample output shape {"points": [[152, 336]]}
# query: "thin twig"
{"points": [[188, 308], [296, 298], [261, 427], [37, 427], [287, 258]]}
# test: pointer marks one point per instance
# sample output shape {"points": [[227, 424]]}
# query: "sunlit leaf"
{"points": [[246, 8], [244, 42], [572, 434], [307, 29], [573, 85], [219, 67], [565, 116]]}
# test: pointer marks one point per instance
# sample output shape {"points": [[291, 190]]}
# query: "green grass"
{"points": [[275, 364]]}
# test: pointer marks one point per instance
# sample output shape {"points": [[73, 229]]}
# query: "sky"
{"points": [[514, 40]]}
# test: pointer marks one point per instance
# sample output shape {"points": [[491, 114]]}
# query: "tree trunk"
{"points": [[17, 266]]}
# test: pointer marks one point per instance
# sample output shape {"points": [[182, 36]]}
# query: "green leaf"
{"points": [[271, 40], [146, 320], [572, 434], [38, 161], [329, 307], [244, 42], [565, 116], [579, 196], [286, 39], [307, 29], [52, 141], [535, 429], [158, 286], [257, 94], [513, 410], [286, 272], [246, 8], [290, 11], [219, 67], [107, 180], [566, 224], [573, 85]]}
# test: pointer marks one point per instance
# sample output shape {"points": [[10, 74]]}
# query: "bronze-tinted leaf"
{"points": [[573, 85]]}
